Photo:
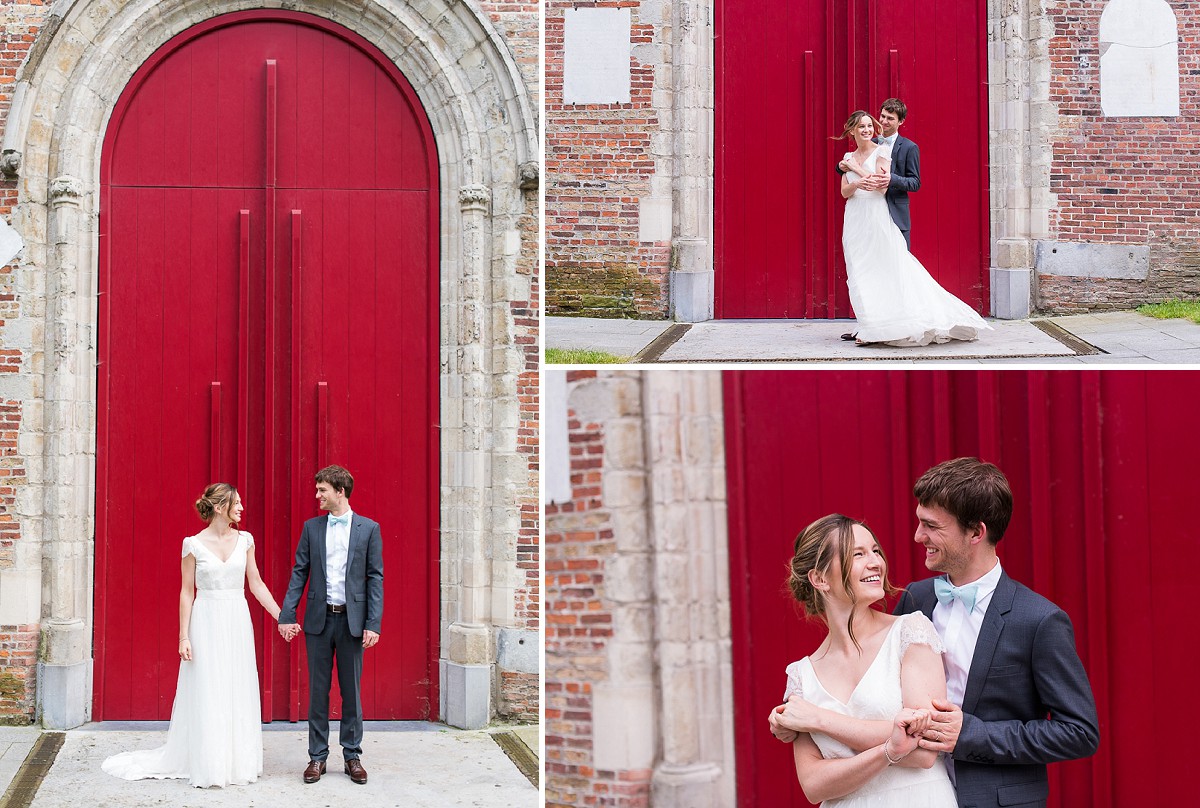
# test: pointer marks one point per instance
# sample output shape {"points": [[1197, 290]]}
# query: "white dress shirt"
{"points": [[337, 550], [960, 631]]}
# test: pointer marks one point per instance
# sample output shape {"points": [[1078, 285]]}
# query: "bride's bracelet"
{"points": [[890, 761]]}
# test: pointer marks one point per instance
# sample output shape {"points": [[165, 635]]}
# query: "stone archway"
{"points": [[485, 130]]}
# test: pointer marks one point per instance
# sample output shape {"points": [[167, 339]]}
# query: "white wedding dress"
{"points": [[215, 737], [877, 697], [895, 299]]}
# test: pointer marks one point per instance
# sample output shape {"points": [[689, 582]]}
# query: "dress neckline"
{"points": [[213, 553], [866, 673]]}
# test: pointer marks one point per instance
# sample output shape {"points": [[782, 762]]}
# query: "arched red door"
{"points": [[788, 76], [268, 305]]}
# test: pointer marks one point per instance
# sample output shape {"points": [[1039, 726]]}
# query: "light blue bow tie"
{"points": [[344, 519], [947, 593]]}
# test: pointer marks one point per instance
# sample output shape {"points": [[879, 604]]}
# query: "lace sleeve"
{"points": [[793, 681], [188, 549], [885, 151], [916, 628], [249, 540]]}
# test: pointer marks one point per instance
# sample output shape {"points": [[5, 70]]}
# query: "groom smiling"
{"points": [[1018, 697]]}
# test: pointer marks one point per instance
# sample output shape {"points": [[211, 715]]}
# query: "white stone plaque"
{"points": [[596, 49], [556, 439], [1139, 59]]}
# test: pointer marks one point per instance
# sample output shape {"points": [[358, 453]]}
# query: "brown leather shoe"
{"points": [[355, 769], [314, 771]]}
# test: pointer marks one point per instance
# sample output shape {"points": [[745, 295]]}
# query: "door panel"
{"points": [[268, 306], [789, 75]]}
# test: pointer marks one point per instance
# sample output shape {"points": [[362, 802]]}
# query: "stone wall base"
{"points": [[1172, 273], [465, 694], [64, 694], [693, 786]]}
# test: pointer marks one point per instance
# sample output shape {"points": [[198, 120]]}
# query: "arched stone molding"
{"points": [[485, 129]]}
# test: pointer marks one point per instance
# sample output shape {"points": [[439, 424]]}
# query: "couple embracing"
{"points": [[960, 698], [215, 736], [896, 301]]}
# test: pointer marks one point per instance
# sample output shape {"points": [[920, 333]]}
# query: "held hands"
{"points": [[289, 630], [945, 725], [778, 729], [906, 732], [795, 716]]}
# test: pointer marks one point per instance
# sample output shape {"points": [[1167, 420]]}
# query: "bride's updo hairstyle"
{"points": [[829, 539], [852, 124], [218, 498]]}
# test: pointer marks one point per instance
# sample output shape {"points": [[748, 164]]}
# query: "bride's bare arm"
{"points": [[187, 596], [258, 588], [922, 679], [824, 779]]}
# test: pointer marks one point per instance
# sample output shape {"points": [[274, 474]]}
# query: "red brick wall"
{"points": [[19, 25], [519, 691], [18, 666], [1122, 180], [579, 539], [598, 168]]}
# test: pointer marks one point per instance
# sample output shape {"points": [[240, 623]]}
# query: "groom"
{"points": [[905, 176], [1010, 653], [340, 557]]}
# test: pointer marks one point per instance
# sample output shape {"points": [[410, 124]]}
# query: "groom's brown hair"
{"points": [[336, 478], [972, 491], [896, 107]]}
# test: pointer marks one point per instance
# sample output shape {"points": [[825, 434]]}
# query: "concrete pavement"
{"points": [[411, 764], [1086, 339]]}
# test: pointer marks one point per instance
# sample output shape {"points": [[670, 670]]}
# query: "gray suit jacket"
{"points": [[906, 179], [364, 577], [1027, 702]]}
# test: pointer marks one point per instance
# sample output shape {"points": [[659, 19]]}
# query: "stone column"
{"points": [[692, 278], [624, 705], [65, 669], [688, 528], [465, 667], [1022, 120]]}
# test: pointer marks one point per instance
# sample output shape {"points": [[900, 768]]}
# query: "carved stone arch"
{"points": [[485, 129]]}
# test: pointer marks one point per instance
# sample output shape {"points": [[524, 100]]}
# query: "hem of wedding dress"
{"points": [[902, 336]]}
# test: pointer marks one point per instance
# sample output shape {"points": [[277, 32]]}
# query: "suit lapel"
{"points": [[320, 545], [355, 528], [989, 638]]}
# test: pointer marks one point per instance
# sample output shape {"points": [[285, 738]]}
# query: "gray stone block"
{"points": [[517, 650], [64, 694], [1010, 293], [465, 694], [1077, 260]]}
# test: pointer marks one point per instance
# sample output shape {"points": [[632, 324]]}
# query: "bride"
{"points": [[895, 299], [871, 665], [215, 737]]}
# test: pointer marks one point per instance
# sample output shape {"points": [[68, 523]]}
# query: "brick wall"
{"points": [[18, 666], [599, 165], [19, 26], [519, 691], [1121, 180], [579, 540]]}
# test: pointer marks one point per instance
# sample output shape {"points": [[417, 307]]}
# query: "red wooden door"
{"points": [[788, 77], [268, 305], [1102, 470]]}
